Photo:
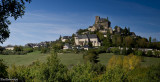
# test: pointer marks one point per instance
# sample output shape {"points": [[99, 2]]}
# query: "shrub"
{"points": [[8, 52], [115, 51], [127, 62], [153, 75], [129, 51], [82, 73], [139, 53], [145, 74], [22, 73], [1, 49], [149, 53], [44, 50], [157, 53], [18, 48], [3, 71], [28, 50], [99, 68], [114, 75], [53, 70], [124, 51], [76, 51], [50, 71], [91, 56]]}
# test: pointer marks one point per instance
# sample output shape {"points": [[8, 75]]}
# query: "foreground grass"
{"points": [[68, 59], [23, 59]]}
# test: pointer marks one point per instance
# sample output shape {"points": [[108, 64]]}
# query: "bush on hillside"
{"points": [[44, 50], [101, 49], [139, 53], [115, 51], [18, 48], [149, 53], [157, 53], [8, 52], [91, 56], [3, 69], [28, 50]]}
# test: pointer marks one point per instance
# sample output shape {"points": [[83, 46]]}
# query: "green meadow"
{"points": [[68, 59]]}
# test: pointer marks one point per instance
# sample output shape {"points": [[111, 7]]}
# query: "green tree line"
{"points": [[119, 69]]}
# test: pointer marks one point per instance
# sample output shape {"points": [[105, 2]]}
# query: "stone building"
{"points": [[102, 21], [9, 47], [67, 46], [64, 38], [82, 40], [101, 25]]}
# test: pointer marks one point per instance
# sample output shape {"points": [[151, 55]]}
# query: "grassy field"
{"points": [[68, 59], [23, 59], [147, 60]]}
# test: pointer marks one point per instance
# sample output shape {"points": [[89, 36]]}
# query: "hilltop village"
{"points": [[99, 36], [93, 34]]}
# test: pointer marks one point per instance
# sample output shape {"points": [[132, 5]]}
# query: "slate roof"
{"points": [[90, 26], [66, 44], [87, 36], [67, 37]]}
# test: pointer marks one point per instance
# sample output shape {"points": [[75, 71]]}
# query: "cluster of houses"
{"points": [[32, 45], [41, 44], [81, 41], [102, 25]]}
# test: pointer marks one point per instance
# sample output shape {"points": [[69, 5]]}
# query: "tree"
{"points": [[124, 51], [1, 49], [128, 41], [126, 31], [80, 31], [10, 8], [150, 42], [3, 69], [57, 46], [53, 70], [90, 44], [100, 36], [91, 56], [107, 41], [150, 39], [117, 40], [149, 53], [72, 39], [154, 40], [60, 38], [142, 42], [18, 48]]}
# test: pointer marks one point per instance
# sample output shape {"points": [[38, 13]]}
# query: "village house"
{"points": [[67, 46], [41, 44], [9, 47], [64, 38], [83, 40]]}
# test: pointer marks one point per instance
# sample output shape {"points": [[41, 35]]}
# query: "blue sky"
{"points": [[46, 20]]}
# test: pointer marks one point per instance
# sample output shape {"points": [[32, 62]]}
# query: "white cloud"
{"points": [[41, 27]]}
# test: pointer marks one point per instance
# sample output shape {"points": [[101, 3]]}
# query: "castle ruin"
{"points": [[102, 25]]}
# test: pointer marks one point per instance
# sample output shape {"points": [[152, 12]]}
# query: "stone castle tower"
{"points": [[103, 22], [97, 19]]}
